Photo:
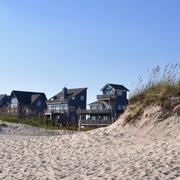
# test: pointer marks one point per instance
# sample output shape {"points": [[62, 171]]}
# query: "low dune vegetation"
{"points": [[163, 90], [36, 122]]}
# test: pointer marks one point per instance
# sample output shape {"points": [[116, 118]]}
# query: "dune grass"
{"points": [[163, 84]]}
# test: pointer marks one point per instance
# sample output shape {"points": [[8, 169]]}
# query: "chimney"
{"points": [[64, 92]]}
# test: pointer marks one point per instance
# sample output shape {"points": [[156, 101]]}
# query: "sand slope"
{"points": [[114, 152]]}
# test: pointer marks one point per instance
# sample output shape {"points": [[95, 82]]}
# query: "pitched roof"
{"points": [[97, 102], [34, 97], [117, 87], [2, 96], [3, 99], [26, 97], [70, 92]]}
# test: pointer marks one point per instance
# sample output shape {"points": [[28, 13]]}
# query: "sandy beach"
{"points": [[107, 153]]}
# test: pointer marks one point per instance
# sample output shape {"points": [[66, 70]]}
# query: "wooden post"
{"points": [[51, 117], [97, 117], [79, 125]]}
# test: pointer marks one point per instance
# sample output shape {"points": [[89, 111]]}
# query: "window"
{"points": [[39, 103], [14, 103], [51, 107], [100, 107], [108, 91], [93, 107], [59, 107], [72, 109], [119, 93], [82, 98], [123, 107], [96, 107], [94, 118], [109, 106], [105, 118], [119, 107]]}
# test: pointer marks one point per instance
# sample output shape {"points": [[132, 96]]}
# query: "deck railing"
{"points": [[93, 111], [106, 96], [97, 122], [57, 101], [48, 111]]}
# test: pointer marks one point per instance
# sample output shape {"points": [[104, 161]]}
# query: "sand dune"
{"points": [[114, 152]]}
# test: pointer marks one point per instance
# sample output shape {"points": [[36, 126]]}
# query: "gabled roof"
{"points": [[116, 87], [2, 96], [35, 97], [26, 97], [97, 102], [70, 93], [3, 99]]}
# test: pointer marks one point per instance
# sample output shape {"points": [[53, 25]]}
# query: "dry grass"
{"points": [[163, 85]]}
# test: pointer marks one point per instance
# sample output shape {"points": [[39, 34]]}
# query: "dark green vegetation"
{"points": [[39, 122], [163, 89], [36, 122]]}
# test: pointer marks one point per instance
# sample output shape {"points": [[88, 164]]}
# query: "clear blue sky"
{"points": [[48, 44]]}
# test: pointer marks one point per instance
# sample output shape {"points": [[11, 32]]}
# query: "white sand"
{"points": [[114, 152]]}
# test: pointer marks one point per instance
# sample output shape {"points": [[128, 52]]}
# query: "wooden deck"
{"points": [[89, 123], [92, 111], [96, 122], [47, 112]]}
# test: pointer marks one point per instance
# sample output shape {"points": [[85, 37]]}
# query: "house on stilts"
{"points": [[106, 109]]}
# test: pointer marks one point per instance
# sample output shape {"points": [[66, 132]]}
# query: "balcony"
{"points": [[94, 111], [48, 111], [54, 101], [106, 97]]}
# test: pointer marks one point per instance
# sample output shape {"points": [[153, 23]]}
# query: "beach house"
{"points": [[62, 108], [26, 104], [109, 105]]}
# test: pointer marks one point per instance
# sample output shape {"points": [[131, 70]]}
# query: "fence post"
{"points": [[79, 125]]}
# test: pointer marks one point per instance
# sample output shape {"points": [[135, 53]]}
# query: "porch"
{"points": [[95, 118]]}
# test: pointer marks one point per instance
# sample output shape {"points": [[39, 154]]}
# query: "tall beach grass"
{"points": [[163, 84]]}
